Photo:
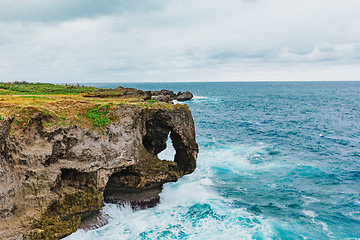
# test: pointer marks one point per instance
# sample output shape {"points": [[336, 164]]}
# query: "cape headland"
{"points": [[66, 149]]}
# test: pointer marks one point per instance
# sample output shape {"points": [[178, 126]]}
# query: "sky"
{"points": [[75, 41]]}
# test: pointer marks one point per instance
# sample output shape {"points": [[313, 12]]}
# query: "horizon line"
{"points": [[226, 81]]}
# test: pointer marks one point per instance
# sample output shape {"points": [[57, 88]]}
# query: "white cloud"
{"points": [[181, 40]]}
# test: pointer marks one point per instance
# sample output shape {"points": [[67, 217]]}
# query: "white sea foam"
{"points": [[324, 226], [178, 102], [195, 98], [354, 215], [309, 213], [237, 159], [309, 200], [185, 193], [199, 97]]}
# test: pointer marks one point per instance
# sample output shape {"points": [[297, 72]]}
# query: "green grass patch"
{"points": [[98, 115], [42, 88]]}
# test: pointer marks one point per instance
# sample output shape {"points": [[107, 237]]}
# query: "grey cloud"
{"points": [[65, 10]]}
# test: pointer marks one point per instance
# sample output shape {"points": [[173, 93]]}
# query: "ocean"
{"points": [[277, 160]]}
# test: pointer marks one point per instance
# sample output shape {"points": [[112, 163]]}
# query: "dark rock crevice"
{"points": [[156, 135], [74, 178], [129, 187]]}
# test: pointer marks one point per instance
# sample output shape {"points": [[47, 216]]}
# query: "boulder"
{"points": [[184, 96]]}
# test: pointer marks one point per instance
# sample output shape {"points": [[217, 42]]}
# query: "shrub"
{"points": [[98, 115]]}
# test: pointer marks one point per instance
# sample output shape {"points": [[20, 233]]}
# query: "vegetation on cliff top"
{"points": [[98, 115], [66, 104], [42, 88]]}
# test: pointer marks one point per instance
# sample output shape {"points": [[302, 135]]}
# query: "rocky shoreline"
{"points": [[121, 92], [54, 180]]}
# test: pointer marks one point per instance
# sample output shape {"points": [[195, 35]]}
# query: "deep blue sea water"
{"points": [[276, 161]]}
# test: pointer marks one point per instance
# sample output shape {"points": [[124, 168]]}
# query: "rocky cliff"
{"points": [[54, 178]]}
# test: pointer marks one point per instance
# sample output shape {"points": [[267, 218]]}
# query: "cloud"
{"points": [[64, 10], [179, 40]]}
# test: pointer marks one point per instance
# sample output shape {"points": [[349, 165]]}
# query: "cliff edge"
{"points": [[57, 171]]}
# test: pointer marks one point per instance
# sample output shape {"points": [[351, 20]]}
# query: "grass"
{"points": [[66, 105], [42, 88]]}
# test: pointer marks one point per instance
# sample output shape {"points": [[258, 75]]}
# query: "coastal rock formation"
{"points": [[121, 92], [52, 179], [167, 96], [184, 96]]}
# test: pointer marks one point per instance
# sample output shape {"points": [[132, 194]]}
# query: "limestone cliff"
{"points": [[51, 179]]}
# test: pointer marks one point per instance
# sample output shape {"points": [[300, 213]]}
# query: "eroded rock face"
{"points": [[61, 175], [184, 96]]}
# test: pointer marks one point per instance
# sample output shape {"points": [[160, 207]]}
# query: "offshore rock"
{"points": [[53, 181], [184, 96]]}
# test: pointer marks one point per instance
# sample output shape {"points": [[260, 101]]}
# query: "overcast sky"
{"points": [[179, 40]]}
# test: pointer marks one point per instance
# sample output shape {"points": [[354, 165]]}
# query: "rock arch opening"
{"points": [[169, 152]]}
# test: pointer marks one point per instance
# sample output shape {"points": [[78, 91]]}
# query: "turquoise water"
{"points": [[276, 161]]}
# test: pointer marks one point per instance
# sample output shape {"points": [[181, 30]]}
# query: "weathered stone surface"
{"points": [[162, 98], [44, 175], [184, 96]]}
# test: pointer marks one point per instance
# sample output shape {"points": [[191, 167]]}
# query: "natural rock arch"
{"points": [[182, 134]]}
